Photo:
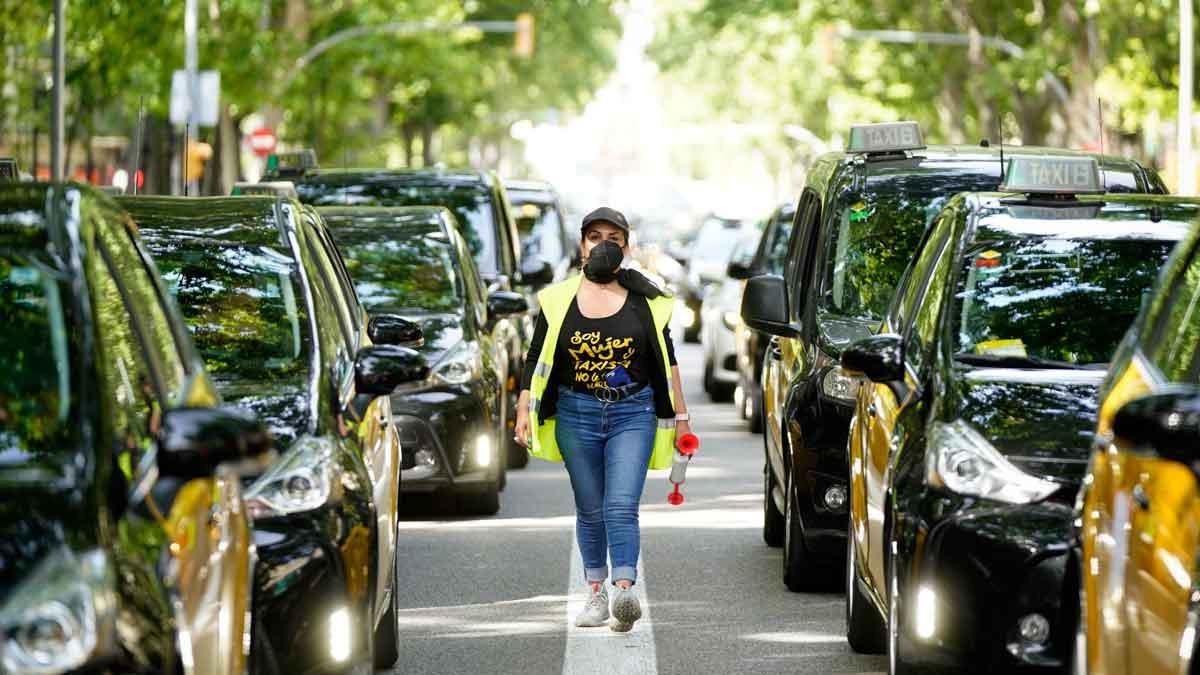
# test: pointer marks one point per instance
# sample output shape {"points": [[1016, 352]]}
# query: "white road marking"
{"points": [[599, 651]]}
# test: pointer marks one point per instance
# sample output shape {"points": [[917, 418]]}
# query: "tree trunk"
{"points": [[406, 134], [427, 143]]}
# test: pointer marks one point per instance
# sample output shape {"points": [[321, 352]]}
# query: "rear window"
{"points": [[471, 205], [402, 270]]}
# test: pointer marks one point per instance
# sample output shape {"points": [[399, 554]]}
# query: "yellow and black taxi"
{"points": [[265, 296], [751, 345], [479, 204], [124, 541], [970, 439], [412, 262], [1138, 515], [858, 222]]}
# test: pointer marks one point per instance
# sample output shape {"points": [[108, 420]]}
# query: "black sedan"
{"points": [[414, 262], [974, 432], [264, 295], [112, 452]]}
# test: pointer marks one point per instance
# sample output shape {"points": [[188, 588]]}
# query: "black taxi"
{"points": [[412, 262], [858, 222], [1137, 527], [276, 319], [480, 205], [971, 437], [124, 540], [751, 345]]}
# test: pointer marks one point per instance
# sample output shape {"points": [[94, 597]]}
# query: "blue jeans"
{"points": [[606, 447]]}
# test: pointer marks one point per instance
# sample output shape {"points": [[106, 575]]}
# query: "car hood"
{"points": [[838, 332], [283, 407], [442, 330], [1041, 420], [38, 519]]}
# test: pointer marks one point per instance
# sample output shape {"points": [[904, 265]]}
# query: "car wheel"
{"points": [[772, 519], [865, 630], [708, 377], [722, 392], [485, 503], [387, 633]]}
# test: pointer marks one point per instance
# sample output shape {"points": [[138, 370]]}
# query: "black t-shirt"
{"points": [[603, 353]]}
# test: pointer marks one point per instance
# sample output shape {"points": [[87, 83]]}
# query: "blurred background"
{"points": [[672, 110]]}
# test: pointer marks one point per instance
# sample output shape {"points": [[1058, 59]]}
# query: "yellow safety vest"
{"points": [[555, 301]]}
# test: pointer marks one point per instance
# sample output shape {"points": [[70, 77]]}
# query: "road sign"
{"points": [[262, 141], [208, 88]]}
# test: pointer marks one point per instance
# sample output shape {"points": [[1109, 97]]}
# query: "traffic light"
{"points": [[523, 41], [198, 153]]}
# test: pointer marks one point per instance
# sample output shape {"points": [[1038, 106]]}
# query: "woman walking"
{"points": [[601, 392]]}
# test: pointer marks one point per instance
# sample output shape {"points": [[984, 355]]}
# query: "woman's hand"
{"points": [[682, 427], [521, 431]]}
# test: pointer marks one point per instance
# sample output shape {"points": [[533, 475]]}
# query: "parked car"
{"points": [[266, 299], [413, 262], [124, 541], [769, 258], [480, 205], [708, 258], [974, 429], [721, 318], [542, 226], [859, 220], [1137, 512]]}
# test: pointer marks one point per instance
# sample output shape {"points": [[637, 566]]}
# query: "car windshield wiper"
{"points": [[1007, 361]]}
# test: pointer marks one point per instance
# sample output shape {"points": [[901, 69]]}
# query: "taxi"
{"points": [[1138, 514], [858, 222], [970, 439], [124, 539]]}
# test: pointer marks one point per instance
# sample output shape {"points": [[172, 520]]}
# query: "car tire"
{"points": [[773, 521], [708, 377], [387, 633], [485, 503], [865, 629], [755, 417]]}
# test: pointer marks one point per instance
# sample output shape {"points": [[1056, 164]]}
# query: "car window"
{"points": [[326, 277], [540, 229], [144, 302], [35, 355], [778, 245], [1174, 345], [930, 291], [404, 269], [801, 248], [349, 293]]}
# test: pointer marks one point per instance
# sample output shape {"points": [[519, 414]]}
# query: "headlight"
{"points": [[731, 319], [963, 461], [836, 384], [301, 481], [460, 365], [61, 616]]}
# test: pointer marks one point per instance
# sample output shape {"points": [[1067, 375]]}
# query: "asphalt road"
{"points": [[491, 595]]}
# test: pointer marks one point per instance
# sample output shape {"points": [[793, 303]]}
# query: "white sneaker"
{"points": [[626, 609], [595, 612]]}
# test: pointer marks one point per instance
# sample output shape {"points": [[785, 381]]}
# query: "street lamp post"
{"points": [[1187, 164]]}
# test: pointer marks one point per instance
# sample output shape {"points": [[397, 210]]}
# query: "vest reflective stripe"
{"points": [[555, 301]]}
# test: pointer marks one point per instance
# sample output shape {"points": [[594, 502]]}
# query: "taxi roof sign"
{"points": [[1053, 175], [885, 137], [291, 163], [281, 188]]}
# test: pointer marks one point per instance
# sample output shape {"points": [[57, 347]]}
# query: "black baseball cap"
{"points": [[605, 215]]}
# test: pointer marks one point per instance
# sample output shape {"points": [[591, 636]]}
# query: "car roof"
{"points": [[249, 220], [417, 219], [425, 176], [529, 185], [26, 220], [1107, 216]]}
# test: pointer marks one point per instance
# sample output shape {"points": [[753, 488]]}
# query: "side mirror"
{"points": [[1166, 424], [192, 442], [740, 269], [536, 271], [505, 303], [380, 369], [764, 306], [880, 358], [389, 329]]}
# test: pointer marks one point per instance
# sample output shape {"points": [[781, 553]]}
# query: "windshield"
{"points": [[470, 204], [35, 392], [243, 305], [402, 269], [876, 231], [539, 227], [1056, 300], [716, 240]]}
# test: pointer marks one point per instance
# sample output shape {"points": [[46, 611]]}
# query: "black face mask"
{"points": [[603, 262]]}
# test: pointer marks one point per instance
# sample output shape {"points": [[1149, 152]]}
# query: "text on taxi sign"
{"points": [[1052, 174], [886, 137]]}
